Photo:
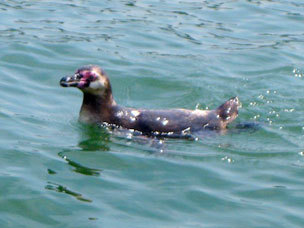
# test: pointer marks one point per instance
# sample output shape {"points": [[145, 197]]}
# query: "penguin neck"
{"points": [[97, 108]]}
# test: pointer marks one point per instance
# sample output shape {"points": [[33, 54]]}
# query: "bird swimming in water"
{"points": [[99, 106]]}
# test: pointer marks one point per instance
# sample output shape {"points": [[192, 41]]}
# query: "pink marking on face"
{"points": [[87, 77], [82, 84]]}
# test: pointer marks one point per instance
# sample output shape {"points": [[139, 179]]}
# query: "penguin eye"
{"points": [[92, 76]]}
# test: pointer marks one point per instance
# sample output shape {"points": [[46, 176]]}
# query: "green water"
{"points": [[56, 172]]}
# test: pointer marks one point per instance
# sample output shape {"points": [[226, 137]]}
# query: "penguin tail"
{"points": [[228, 111]]}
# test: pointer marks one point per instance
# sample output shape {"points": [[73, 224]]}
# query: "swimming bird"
{"points": [[99, 106]]}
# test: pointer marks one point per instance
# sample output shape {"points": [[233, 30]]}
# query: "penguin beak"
{"points": [[70, 81]]}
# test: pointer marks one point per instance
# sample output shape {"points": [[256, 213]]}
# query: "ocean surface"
{"points": [[56, 172]]}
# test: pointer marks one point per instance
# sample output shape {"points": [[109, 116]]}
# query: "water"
{"points": [[158, 54]]}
